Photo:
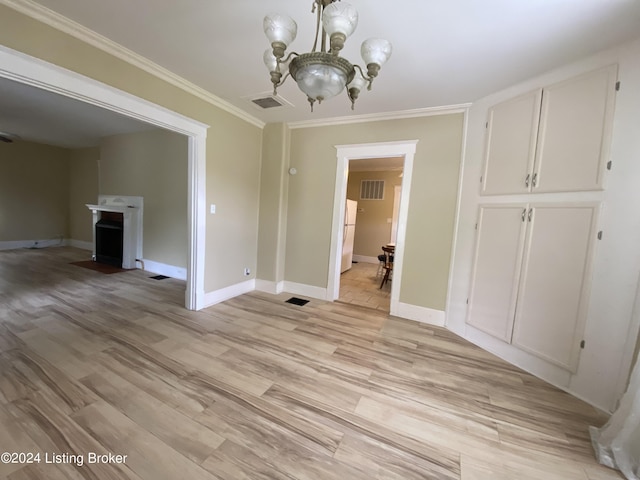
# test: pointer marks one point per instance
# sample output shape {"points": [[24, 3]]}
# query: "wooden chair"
{"points": [[382, 261], [388, 264]]}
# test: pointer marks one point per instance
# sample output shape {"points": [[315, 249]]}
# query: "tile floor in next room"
{"points": [[360, 285]]}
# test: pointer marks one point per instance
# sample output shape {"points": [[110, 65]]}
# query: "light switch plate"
{"points": [[212, 209]]}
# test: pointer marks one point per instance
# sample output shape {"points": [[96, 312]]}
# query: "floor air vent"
{"points": [[297, 301], [159, 277]]}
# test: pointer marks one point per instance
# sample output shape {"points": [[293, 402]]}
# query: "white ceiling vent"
{"points": [[265, 101]]}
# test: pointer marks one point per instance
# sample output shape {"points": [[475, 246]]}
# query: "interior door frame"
{"points": [[345, 153], [19, 67], [397, 195]]}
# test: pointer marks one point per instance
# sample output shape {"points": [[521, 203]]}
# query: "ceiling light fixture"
{"points": [[323, 74]]}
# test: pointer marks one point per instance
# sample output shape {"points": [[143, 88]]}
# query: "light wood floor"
{"points": [[255, 388], [360, 285]]}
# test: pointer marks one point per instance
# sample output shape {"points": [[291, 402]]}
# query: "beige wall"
{"points": [[432, 201], [83, 189], [152, 165], [233, 185], [34, 192], [234, 149], [372, 227], [233, 145], [273, 194]]}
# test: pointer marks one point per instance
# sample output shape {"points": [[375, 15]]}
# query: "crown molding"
{"points": [[76, 30], [376, 117]]}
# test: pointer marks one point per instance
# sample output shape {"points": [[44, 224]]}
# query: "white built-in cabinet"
{"points": [[532, 265], [554, 139], [531, 276]]}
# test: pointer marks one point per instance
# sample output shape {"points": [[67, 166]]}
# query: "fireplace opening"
{"points": [[109, 238]]}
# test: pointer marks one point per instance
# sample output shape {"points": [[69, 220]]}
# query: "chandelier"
{"points": [[322, 74]]}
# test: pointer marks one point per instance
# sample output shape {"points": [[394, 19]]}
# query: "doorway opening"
{"points": [[46, 76], [345, 154], [372, 207]]}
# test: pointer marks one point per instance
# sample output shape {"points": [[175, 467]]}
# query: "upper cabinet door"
{"points": [[511, 143], [575, 131]]}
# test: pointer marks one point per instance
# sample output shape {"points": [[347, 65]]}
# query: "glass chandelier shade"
{"points": [[358, 82], [355, 86], [270, 60], [321, 81], [280, 29], [340, 18], [375, 50], [323, 74]]}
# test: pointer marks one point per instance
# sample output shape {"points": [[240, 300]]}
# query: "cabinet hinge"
{"points": [[582, 344], [618, 86], [609, 163], [600, 235]]}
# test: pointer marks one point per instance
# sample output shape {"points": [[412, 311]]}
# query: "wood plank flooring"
{"points": [[255, 388]]}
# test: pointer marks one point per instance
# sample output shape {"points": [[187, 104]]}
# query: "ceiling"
{"points": [[39, 116], [444, 53]]}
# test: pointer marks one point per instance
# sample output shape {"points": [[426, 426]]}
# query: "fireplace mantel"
{"points": [[131, 209]]}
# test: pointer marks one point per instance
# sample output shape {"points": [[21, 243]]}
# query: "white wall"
{"points": [[611, 329]]}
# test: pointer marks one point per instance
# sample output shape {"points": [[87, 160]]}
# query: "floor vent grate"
{"points": [[159, 277], [297, 301]]}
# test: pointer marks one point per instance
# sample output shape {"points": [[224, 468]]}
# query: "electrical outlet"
{"points": [[247, 271]]}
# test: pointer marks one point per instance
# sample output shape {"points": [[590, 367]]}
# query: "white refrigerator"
{"points": [[349, 234]]}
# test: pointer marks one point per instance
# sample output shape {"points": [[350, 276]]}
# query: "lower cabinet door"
{"points": [[496, 269], [555, 282]]}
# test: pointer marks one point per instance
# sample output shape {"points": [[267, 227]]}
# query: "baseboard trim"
{"points": [[556, 376], [163, 269], [365, 259], [426, 315], [306, 290], [79, 244], [553, 374], [15, 244], [268, 286], [226, 293]]}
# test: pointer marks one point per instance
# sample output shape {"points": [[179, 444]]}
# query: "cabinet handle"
{"points": [[530, 212], [534, 180], [524, 214], [526, 180]]}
